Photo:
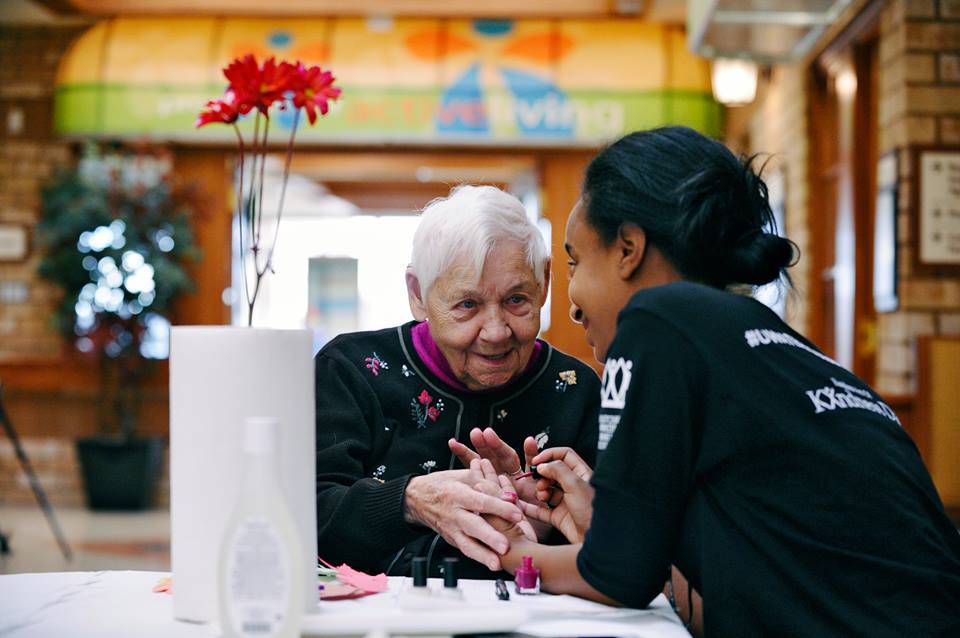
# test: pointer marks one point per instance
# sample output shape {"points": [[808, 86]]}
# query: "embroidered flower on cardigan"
{"points": [[407, 372], [567, 378], [543, 438], [428, 466], [421, 409], [379, 472], [375, 364], [501, 415]]}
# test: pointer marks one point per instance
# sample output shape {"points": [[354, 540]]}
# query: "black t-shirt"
{"points": [[774, 479]]}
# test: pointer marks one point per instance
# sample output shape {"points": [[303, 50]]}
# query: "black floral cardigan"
{"points": [[382, 417]]}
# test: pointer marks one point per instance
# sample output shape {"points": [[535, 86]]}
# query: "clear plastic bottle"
{"points": [[260, 577]]}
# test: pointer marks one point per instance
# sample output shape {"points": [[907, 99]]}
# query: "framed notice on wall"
{"points": [[885, 235], [937, 210], [14, 242]]}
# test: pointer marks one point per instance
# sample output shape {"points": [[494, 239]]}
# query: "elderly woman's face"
{"points": [[486, 328]]}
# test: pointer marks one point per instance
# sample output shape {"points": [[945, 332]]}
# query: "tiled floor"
{"points": [[99, 540]]}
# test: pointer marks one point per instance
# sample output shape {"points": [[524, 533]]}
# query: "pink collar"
{"points": [[429, 352]]}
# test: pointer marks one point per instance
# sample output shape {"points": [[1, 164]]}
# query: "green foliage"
{"points": [[117, 235]]}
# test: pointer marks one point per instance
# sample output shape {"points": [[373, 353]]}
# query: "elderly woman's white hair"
{"points": [[465, 226]]}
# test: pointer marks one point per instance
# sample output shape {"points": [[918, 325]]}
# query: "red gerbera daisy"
{"points": [[312, 89], [258, 86], [225, 111]]}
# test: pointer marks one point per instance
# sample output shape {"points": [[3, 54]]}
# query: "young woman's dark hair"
{"points": [[706, 210]]}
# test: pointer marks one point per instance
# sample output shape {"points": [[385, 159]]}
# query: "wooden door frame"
{"points": [[858, 41]]}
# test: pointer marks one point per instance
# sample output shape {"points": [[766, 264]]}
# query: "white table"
{"points": [[121, 604]]}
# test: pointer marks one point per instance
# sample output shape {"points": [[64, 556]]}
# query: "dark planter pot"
{"points": [[120, 474]]}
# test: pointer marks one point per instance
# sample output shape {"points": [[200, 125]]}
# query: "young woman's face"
{"points": [[596, 291]]}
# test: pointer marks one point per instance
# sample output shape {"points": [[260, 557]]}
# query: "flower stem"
{"points": [[261, 153], [263, 164], [240, 218], [253, 210], [283, 188]]}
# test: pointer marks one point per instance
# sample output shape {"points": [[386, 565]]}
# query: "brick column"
{"points": [[919, 104]]}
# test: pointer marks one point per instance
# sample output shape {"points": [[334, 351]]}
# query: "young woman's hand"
{"points": [[565, 489]]}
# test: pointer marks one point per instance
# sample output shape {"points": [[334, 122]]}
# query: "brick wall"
{"points": [[54, 460], [28, 63], [919, 103], [919, 88], [51, 399]]}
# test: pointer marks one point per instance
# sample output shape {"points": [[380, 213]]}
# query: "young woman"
{"points": [[780, 484]]}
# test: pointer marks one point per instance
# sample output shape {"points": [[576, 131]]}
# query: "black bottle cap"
{"points": [[450, 573], [418, 570]]}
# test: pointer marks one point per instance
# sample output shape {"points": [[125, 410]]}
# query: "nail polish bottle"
{"points": [[418, 570], [527, 577], [419, 595], [451, 587]]}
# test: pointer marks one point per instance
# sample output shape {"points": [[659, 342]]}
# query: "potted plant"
{"points": [[117, 234]]}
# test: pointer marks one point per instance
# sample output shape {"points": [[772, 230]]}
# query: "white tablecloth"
{"points": [[121, 604]]}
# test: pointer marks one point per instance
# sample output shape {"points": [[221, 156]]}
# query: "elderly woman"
{"points": [[397, 408]]}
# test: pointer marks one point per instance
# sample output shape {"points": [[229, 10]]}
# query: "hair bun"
{"points": [[759, 258], [704, 208]]}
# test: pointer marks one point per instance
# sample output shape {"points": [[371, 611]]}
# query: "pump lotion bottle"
{"points": [[260, 578]]}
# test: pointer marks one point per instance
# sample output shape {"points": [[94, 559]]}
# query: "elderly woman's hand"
{"points": [[499, 486], [501, 456], [504, 461], [490, 446], [571, 513], [448, 503]]}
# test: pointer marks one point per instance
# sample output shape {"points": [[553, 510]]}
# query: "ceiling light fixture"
{"points": [[734, 81]]}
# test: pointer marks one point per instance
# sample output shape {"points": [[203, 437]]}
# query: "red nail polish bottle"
{"points": [[527, 577]]}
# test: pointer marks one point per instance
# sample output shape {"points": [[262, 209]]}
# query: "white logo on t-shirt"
{"points": [[608, 426], [844, 396], [764, 337], [614, 394]]}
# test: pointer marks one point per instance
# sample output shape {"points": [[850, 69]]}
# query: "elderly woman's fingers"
{"points": [[462, 452], [479, 444], [488, 481], [492, 489], [503, 456], [476, 551], [489, 445], [481, 530], [430, 499], [536, 512], [474, 472], [530, 451], [476, 437], [488, 488], [569, 458], [487, 504], [489, 472]]}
